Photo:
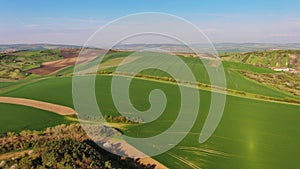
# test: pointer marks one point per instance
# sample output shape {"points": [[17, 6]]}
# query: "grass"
{"points": [[234, 79], [238, 82], [65, 71], [59, 91], [5, 84], [283, 81], [15, 118], [9, 86], [246, 67], [252, 134]]}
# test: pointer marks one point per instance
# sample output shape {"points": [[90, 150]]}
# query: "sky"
{"points": [[73, 22]]}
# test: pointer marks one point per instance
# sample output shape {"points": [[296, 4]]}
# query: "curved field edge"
{"points": [[62, 86], [15, 118], [247, 126], [58, 109]]}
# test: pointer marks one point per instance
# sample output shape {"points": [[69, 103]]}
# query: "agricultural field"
{"points": [[248, 136], [235, 80], [150, 85], [15, 118], [253, 133]]}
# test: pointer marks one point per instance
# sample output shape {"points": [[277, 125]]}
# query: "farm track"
{"points": [[61, 110], [183, 160]]}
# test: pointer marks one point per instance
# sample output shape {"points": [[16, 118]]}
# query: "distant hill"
{"points": [[220, 47], [42, 46]]}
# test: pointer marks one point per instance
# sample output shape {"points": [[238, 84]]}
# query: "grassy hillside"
{"points": [[272, 58], [288, 82]]}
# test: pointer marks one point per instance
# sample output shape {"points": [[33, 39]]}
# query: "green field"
{"points": [[5, 84], [235, 80], [15, 118], [252, 134]]}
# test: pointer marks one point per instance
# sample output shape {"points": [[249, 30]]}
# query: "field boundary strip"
{"points": [[58, 109]]}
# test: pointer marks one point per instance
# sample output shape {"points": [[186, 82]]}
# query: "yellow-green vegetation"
{"points": [[288, 82], [11, 73], [272, 58], [14, 65]]}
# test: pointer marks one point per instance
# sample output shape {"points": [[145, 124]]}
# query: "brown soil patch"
{"points": [[62, 110], [70, 58]]}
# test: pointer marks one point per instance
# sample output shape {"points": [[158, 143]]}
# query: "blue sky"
{"points": [[72, 22]]}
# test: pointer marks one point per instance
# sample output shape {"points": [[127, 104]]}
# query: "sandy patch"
{"points": [[132, 152]]}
